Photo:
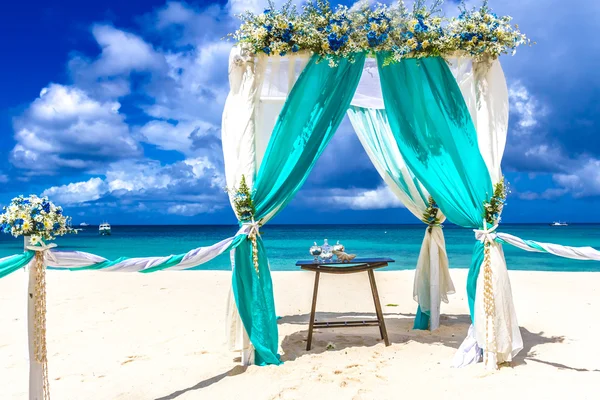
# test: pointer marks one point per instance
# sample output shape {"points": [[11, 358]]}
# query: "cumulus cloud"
{"points": [[583, 181], [79, 192], [65, 128], [355, 199], [189, 210], [195, 184]]}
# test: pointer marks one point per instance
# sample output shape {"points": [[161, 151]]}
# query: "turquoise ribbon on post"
{"points": [[10, 264]]}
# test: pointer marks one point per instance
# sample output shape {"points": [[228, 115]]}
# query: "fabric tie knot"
{"points": [[44, 248], [253, 227], [486, 234]]}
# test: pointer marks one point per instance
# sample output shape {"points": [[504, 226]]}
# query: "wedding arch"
{"points": [[428, 100]]}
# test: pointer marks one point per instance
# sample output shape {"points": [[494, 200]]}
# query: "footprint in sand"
{"points": [[131, 359]]}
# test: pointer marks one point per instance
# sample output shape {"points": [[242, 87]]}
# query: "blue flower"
{"points": [[46, 207], [295, 48], [39, 226], [269, 28], [462, 15], [267, 50], [282, 53], [18, 222], [287, 36], [268, 11], [25, 201], [34, 212], [407, 35], [56, 226], [59, 211]]}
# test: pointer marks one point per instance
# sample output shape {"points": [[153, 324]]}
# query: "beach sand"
{"points": [[161, 336]]}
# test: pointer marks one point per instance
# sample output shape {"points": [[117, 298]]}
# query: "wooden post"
{"points": [[434, 283], [36, 370]]}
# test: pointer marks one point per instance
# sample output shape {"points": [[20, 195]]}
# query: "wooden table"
{"points": [[357, 265]]}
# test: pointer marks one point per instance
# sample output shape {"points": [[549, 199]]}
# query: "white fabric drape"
{"points": [[484, 89], [246, 74], [60, 259], [432, 282], [259, 86]]}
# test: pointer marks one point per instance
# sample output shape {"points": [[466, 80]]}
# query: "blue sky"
{"points": [[113, 110]]}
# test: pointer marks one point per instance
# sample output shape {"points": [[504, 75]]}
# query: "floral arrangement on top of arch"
{"points": [[342, 32], [34, 216]]}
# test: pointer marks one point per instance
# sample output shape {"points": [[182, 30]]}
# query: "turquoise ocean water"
{"points": [[287, 243]]}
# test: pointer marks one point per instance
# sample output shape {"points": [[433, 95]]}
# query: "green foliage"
{"points": [[493, 208], [242, 201]]}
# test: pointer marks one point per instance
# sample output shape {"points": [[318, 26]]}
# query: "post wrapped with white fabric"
{"points": [[432, 283], [39, 387], [483, 86], [259, 86]]}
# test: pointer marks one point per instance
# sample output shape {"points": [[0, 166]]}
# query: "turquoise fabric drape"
{"points": [[381, 143], [10, 264], [374, 132], [311, 114], [438, 141], [436, 135]]}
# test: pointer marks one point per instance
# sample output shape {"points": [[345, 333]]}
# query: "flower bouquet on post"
{"points": [[34, 217]]}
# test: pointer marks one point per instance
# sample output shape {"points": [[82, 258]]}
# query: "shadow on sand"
{"points": [[399, 326], [238, 369]]}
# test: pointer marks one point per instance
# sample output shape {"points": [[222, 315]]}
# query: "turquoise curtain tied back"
{"points": [[438, 141], [309, 118]]}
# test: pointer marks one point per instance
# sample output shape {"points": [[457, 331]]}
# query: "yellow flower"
{"points": [[437, 20], [26, 225], [425, 44], [48, 224], [412, 43], [281, 24]]}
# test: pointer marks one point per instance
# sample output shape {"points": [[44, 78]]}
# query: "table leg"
{"points": [[313, 309], [382, 329]]}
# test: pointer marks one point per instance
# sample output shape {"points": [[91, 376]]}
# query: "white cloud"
{"points": [[356, 199], [526, 107], [195, 184], [582, 181], [79, 192], [65, 128], [122, 53], [3, 178], [190, 210]]}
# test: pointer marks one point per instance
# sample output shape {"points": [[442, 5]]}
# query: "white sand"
{"points": [[161, 336]]}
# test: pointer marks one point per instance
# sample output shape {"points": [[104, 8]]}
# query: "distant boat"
{"points": [[558, 224], [104, 228], [84, 224]]}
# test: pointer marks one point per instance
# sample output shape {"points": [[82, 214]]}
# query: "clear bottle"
{"points": [[327, 251], [315, 251]]}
